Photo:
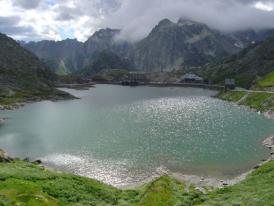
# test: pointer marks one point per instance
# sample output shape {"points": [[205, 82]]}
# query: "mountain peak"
{"points": [[162, 26], [188, 22], [105, 33], [165, 22], [183, 21]]}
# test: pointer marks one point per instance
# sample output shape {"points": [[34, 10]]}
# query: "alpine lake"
{"points": [[124, 135]]}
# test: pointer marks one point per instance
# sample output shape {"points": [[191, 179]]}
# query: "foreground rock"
{"points": [[4, 157], [269, 143]]}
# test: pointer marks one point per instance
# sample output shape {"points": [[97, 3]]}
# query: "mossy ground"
{"points": [[23, 183]]}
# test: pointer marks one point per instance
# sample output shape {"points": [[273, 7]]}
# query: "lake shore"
{"points": [[211, 183], [18, 103], [200, 182]]}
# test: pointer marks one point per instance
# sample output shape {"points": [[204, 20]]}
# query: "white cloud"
{"points": [[58, 19], [137, 17], [265, 6], [49, 18]]}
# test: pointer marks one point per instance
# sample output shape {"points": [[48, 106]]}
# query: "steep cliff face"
{"points": [[186, 43]]}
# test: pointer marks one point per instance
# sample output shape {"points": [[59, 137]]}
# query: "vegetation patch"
{"points": [[24, 183], [258, 101], [267, 81], [233, 96], [256, 189], [261, 101]]}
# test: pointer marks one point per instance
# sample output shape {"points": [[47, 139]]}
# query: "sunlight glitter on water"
{"points": [[123, 135], [111, 172]]}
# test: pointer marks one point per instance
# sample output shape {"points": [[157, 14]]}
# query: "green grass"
{"points": [[258, 101], [168, 191], [233, 96], [256, 190], [61, 71], [23, 183], [261, 101], [267, 81], [20, 96], [15, 98]]}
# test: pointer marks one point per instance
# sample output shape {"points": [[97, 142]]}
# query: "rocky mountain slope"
{"points": [[106, 60], [61, 56], [69, 56], [186, 43], [23, 76], [169, 46], [244, 38], [246, 67]]}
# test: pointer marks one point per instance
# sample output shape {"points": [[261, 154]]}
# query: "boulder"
{"points": [[2, 153], [4, 157], [38, 162], [257, 167]]}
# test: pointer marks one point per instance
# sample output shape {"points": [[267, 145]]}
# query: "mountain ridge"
{"points": [[169, 46], [249, 65]]}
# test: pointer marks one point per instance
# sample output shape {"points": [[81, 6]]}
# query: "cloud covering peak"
{"points": [[137, 17], [60, 19]]}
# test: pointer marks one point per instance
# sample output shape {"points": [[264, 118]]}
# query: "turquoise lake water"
{"points": [[123, 135]]}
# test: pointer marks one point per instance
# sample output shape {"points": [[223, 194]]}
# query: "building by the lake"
{"points": [[137, 77], [191, 78], [230, 84]]}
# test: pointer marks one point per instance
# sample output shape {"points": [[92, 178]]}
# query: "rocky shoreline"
{"points": [[201, 182], [12, 106], [211, 183], [269, 114], [21, 103]]}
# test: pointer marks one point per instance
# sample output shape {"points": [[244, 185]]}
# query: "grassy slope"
{"points": [[23, 77], [267, 81], [23, 183], [259, 101], [256, 189], [233, 96]]}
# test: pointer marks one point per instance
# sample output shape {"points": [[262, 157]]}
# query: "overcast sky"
{"points": [[61, 19]]}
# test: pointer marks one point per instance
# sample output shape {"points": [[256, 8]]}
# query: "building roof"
{"points": [[191, 76], [143, 73]]}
